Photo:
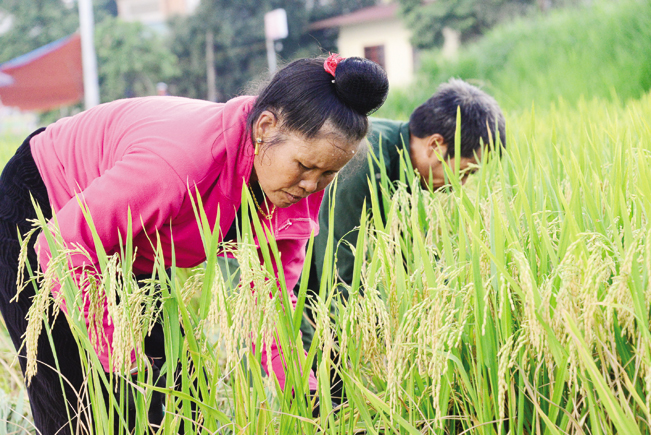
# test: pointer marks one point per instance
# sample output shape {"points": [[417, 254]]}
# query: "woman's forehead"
{"points": [[327, 151]]}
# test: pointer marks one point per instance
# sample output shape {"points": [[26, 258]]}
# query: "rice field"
{"points": [[14, 407], [518, 304]]}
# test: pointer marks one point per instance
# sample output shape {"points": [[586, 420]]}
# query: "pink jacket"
{"points": [[142, 154]]}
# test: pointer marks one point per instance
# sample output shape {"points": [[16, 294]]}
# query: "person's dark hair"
{"points": [[480, 113], [303, 95]]}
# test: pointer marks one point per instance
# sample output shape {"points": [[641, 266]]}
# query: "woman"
{"points": [[142, 154]]}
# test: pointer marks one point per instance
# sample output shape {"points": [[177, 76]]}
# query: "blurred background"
{"points": [[521, 51]]}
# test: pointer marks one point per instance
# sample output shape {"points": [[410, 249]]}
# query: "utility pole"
{"points": [[88, 57], [275, 27], [272, 62], [211, 75]]}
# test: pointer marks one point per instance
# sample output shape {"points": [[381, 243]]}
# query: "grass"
{"points": [[600, 50], [14, 407], [8, 146], [518, 304]]}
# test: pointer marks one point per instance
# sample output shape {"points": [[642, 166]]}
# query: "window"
{"points": [[376, 54]]}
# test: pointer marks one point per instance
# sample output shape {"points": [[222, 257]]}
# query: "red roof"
{"points": [[373, 13], [46, 78]]}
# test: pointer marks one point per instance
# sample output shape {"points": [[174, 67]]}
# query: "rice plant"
{"points": [[517, 304], [14, 408]]}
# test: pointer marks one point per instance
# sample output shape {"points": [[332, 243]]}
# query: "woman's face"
{"points": [[293, 167]]}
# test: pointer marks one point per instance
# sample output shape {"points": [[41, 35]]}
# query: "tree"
{"points": [[105, 7], [131, 59], [35, 23], [470, 18], [337, 7], [239, 44]]}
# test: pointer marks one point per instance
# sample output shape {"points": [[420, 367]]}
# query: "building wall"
{"points": [[398, 52], [179, 7], [146, 11], [154, 12]]}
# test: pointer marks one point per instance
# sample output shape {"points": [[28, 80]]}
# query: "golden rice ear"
{"points": [[22, 260], [40, 305]]}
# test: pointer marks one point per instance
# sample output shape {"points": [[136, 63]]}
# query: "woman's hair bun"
{"points": [[361, 84]]}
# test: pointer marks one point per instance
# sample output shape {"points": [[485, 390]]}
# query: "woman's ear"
{"points": [[266, 125], [437, 149]]}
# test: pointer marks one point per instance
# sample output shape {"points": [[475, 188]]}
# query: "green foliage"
{"points": [[105, 8], [187, 43], [13, 397], [597, 51], [38, 22], [470, 18], [239, 45], [8, 146], [323, 10], [12, 410], [131, 59], [35, 23]]}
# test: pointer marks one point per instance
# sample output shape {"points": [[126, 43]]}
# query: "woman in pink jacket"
{"points": [[142, 154]]}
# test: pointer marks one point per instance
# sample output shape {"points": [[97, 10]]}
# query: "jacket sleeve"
{"points": [[351, 191], [141, 182]]}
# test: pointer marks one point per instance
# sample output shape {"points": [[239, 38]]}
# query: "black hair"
{"points": [[480, 113], [303, 95]]}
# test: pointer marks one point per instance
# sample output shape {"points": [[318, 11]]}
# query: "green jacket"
{"points": [[352, 189]]}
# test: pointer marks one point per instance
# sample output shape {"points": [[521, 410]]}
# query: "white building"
{"points": [[376, 33]]}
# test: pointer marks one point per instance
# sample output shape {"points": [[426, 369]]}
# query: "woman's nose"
{"points": [[309, 184]]}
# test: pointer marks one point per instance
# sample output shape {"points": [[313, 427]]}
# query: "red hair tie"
{"points": [[331, 63]]}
